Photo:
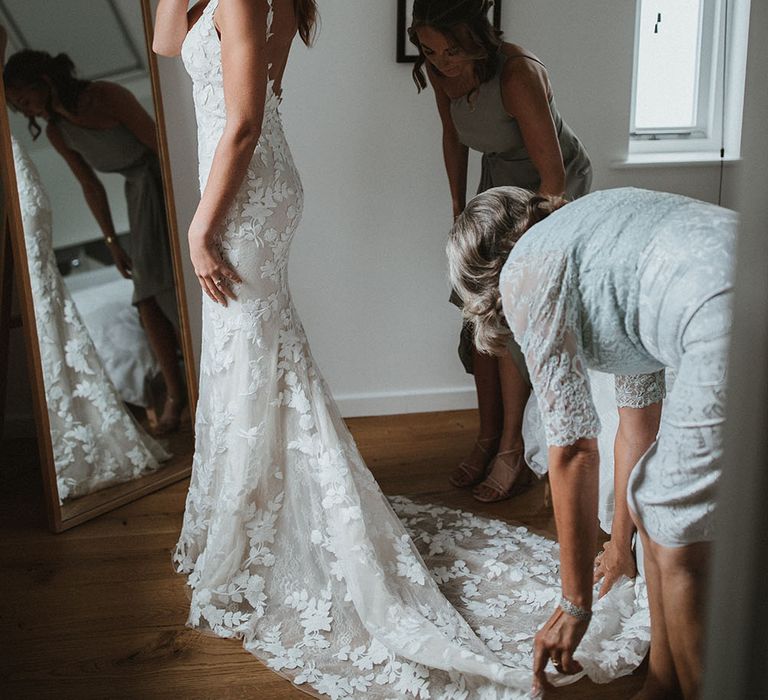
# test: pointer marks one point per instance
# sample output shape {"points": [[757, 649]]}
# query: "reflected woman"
{"points": [[101, 126], [96, 442], [494, 97]]}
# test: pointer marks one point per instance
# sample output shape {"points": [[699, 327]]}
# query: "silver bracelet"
{"points": [[574, 610]]}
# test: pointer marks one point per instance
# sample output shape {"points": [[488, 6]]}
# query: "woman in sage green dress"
{"points": [[99, 126], [494, 97]]}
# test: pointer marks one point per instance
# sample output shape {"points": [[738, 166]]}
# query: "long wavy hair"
{"points": [[38, 69], [479, 245], [307, 18], [463, 21]]}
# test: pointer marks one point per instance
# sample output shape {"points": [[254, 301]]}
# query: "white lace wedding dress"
{"points": [[289, 543], [96, 442]]}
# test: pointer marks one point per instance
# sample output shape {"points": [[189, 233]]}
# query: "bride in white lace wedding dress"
{"points": [[288, 542]]}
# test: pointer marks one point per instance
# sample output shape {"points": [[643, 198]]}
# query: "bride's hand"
{"points": [[613, 563], [215, 275]]}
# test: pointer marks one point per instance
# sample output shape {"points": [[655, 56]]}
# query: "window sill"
{"points": [[655, 160]]}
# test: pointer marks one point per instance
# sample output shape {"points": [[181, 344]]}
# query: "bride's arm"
{"points": [[242, 25], [243, 37], [171, 26]]}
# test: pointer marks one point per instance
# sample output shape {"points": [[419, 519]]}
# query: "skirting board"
{"points": [[388, 403], [385, 403]]}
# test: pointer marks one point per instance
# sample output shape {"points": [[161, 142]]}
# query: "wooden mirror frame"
{"points": [[119, 494]]}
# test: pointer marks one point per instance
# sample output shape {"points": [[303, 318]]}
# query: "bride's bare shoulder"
{"points": [[246, 18]]}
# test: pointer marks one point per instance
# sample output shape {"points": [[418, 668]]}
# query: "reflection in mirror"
{"points": [[99, 255]]}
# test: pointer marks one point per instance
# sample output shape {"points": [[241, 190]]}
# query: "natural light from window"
{"points": [[667, 71]]}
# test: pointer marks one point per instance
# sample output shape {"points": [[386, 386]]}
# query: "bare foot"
{"points": [[170, 420]]}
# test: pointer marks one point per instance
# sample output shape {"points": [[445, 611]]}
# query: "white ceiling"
{"points": [[104, 38]]}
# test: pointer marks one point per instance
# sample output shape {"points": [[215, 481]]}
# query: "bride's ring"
{"points": [[218, 281]]}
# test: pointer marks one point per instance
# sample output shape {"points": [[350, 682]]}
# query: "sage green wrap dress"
{"points": [[483, 125]]}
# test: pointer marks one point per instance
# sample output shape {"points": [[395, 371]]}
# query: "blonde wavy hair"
{"points": [[479, 245]]}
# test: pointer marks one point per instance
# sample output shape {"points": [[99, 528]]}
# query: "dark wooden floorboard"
{"points": [[97, 611]]}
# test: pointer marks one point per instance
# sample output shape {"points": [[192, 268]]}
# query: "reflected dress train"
{"points": [[287, 540], [96, 442]]}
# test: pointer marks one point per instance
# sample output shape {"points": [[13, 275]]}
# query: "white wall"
{"points": [[368, 270], [588, 47]]}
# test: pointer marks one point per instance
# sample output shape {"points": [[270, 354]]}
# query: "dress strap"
{"points": [[502, 62], [210, 10], [522, 55], [270, 18]]}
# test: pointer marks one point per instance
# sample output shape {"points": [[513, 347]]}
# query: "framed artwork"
{"points": [[406, 51]]}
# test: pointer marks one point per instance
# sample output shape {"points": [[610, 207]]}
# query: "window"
{"points": [[688, 83]]}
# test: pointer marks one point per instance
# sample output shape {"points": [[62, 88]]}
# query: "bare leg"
{"points": [[509, 463], [489, 397], [684, 573], [515, 392], [491, 410], [162, 339], [661, 682]]}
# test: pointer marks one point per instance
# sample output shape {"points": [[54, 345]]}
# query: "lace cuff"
{"points": [[640, 390]]}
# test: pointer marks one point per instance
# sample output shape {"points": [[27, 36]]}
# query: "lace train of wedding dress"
{"points": [[96, 442], [287, 540]]}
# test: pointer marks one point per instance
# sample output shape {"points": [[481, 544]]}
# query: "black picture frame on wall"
{"points": [[406, 51]]}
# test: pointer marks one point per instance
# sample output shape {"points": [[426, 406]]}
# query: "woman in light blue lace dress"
{"points": [[629, 282]]}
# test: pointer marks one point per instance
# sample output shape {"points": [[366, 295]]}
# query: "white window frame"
{"points": [[717, 134]]}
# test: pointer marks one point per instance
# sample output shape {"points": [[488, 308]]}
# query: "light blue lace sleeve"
{"points": [[538, 295], [640, 390]]}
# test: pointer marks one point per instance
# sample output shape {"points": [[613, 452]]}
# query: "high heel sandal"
{"points": [[467, 475], [521, 478]]}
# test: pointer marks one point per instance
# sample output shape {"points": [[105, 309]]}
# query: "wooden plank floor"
{"points": [[97, 612]]}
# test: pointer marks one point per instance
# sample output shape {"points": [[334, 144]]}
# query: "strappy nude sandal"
{"points": [[467, 475], [521, 478]]}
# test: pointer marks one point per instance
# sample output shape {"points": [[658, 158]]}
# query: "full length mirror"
{"points": [[98, 250]]}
